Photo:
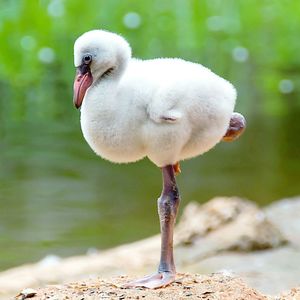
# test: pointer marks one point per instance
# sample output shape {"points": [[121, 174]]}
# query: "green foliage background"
{"points": [[32, 90]]}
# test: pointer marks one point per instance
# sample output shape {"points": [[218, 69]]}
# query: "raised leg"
{"points": [[237, 126], [167, 209]]}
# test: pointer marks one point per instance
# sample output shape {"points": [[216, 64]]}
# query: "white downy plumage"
{"points": [[166, 109]]}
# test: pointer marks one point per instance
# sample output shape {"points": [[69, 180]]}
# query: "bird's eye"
{"points": [[87, 59]]}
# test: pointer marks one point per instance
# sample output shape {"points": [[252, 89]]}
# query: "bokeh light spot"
{"points": [[46, 55], [215, 23], [132, 20], [240, 54], [28, 42], [56, 8], [286, 86]]}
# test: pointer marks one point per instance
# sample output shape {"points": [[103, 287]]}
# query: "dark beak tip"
{"points": [[75, 103]]}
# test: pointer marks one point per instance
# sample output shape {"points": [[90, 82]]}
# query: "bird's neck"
{"points": [[111, 73], [100, 100]]}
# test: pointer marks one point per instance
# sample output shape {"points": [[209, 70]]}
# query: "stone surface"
{"points": [[225, 224], [286, 215], [293, 294], [241, 222], [271, 272], [187, 286]]}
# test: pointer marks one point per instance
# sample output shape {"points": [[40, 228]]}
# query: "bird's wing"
{"points": [[169, 116]]}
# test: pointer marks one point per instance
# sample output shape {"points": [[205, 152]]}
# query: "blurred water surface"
{"points": [[57, 196]]}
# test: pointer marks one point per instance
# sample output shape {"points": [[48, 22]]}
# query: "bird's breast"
{"points": [[112, 140]]}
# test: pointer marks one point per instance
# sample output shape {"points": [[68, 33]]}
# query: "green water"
{"points": [[58, 197]]}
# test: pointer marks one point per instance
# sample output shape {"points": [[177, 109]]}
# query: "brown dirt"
{"points": [[187, 286]]}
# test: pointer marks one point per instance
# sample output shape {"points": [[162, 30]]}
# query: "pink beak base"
{"points": [[81, 83]]}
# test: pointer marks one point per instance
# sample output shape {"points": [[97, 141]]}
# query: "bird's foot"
{"points": [[236, 127], [153, 281]]}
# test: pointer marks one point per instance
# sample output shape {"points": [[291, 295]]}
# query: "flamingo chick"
{"points": [[166, 109]]}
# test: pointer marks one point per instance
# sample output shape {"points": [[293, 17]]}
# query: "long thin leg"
{"points": [[167, 209], [168, 204]]}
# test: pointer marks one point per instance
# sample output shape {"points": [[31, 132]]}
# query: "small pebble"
{"points": [[26, 293], [187, 287]]}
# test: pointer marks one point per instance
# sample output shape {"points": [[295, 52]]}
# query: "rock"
{"points": [[285, 214], [269, 271], [235, 223], [293, 294], [223, 224], [187, 286], [198, 220], [26, 293]]}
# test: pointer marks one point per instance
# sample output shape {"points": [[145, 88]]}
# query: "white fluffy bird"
{"points": [[166, 109]]}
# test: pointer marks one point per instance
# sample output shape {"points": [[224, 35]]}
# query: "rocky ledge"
{"points": [[187, 286]]}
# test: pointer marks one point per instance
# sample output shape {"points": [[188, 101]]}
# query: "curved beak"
{"points": [[83, 80]]}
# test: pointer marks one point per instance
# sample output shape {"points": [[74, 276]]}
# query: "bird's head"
{"points": [[97, 55]]}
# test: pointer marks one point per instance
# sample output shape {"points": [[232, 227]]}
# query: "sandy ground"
{"points": [[186, 286]]}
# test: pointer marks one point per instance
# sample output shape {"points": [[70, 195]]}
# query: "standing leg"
{"points": [[167, 209]]}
